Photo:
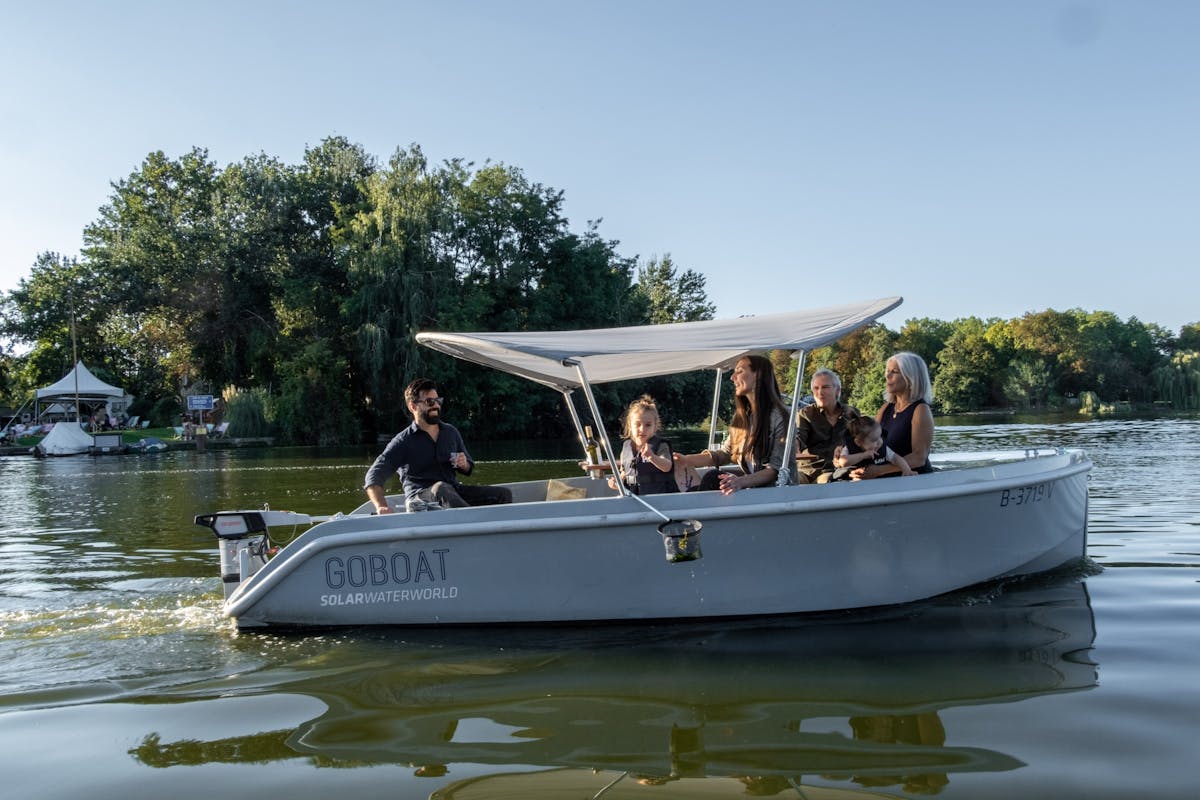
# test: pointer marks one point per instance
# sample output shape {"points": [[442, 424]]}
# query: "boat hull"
{"points": [[779, 550]]}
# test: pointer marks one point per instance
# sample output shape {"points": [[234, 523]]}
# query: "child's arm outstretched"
{"points": [[663, 460], [898, 461]]}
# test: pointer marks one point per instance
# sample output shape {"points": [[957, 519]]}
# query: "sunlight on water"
{"points": [[144, 615]]}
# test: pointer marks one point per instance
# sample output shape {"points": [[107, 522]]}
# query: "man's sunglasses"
{"points": [[430, 402]]}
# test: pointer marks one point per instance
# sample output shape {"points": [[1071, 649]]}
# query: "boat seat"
{"points": [[561, 490]]}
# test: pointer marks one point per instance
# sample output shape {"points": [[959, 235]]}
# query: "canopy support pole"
{"points": [[566, 393], [785, 471], [716, 406], [575, 420], [595, 409]]}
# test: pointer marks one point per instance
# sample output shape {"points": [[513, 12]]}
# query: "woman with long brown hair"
{"points": [[757, 433]]}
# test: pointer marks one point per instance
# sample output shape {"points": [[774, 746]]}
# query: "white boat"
{"points": [[610, 555]]}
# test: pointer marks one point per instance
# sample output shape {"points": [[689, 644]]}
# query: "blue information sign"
{"points": [[200, 402]]}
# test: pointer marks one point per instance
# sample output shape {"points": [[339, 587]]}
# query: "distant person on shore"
{"points": [[865, 447], [757, 436], [647, 463], [429, 455], [822, 427], [906, 417]]}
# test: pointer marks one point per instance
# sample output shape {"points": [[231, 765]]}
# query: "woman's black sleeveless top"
{"points": [[897, 431]]}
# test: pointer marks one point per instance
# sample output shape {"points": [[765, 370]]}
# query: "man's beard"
{"points": [[429, 416]]}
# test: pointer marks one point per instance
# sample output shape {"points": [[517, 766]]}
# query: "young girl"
{"points": [[647, 463], [868, 448]]}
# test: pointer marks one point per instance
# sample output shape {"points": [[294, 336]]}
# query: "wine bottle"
{"points": [[593, 451]]}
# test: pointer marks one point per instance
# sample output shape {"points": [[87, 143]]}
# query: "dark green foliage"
{"points": [[246, 413], [967, 369], [165, 413], [672, 297], [1189, 338], [1178, 383], [314, 402]]}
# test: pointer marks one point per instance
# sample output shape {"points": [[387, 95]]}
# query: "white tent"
{"points": [[86, 385], [81, 383]]}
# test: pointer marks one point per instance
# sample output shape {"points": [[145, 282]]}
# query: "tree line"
{"points": [[1043, 360], [293, 291]]}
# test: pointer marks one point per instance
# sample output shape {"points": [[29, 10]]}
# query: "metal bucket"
{"points": [[681, 539]]}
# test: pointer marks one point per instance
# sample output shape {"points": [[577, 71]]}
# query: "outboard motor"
{"points": [[244, 542]]}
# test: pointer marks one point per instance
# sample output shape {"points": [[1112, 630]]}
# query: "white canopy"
{"points": [[616, 354], [89, 386]]}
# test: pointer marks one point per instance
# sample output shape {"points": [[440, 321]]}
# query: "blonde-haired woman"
{"points": [[905, 417]]}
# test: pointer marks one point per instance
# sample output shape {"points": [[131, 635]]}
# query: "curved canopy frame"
{"points": [[551, 358]]}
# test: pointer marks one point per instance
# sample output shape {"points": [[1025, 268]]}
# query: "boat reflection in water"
{"points": [[751, 706]]}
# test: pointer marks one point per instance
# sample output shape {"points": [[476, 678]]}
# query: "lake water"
{"points": [[120, 679]]}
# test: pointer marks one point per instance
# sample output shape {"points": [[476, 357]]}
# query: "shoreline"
{"points": [[172, 444]]}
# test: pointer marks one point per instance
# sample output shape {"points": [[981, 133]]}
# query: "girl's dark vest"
{"points": [[649, 478]]}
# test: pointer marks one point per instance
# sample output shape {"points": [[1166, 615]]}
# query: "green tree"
{"points": [[1189, 337], [673, 297], [51, 310], [1178, 382], [246, 412], [667, 296], [967, 368], [860, 360], [1027, 382], [395, 283], [314, 405], [926, 337], [154, 244], [327, 191]]}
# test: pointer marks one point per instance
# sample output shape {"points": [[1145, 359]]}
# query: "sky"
{"points": [[982, 159]]}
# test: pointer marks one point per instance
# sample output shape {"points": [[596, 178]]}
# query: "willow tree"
{"points": [[395, 283], [520, 267]]}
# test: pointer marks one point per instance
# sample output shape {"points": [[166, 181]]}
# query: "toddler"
{"points": [[866, 447]]}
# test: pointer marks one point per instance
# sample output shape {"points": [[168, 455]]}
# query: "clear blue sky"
{"points": [[979, 158]]}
